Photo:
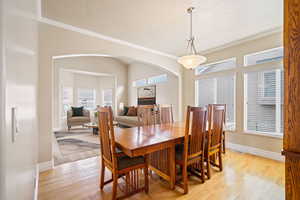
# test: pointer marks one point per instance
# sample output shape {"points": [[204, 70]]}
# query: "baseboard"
{"points": [[36, 185], [44, 166], [256, 151]]}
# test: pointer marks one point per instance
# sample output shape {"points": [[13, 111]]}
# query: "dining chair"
{"points": [[117, 162], [191, 153], [213, 147], [224, 122], [160, 159], [165, 113], [147, 115]]}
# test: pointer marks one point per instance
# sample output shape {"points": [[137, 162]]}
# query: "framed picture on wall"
{"points": [[146, 95]]}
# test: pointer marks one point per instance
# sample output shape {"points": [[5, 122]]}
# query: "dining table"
{"points": [[156, 143]]}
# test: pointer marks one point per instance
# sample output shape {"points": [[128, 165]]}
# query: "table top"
{"points": [[133, 140]]}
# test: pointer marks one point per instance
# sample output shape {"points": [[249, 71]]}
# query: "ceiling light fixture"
{"points": [[193, 59]]}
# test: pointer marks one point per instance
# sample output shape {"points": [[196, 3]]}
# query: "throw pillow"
{"points": [[77, 111], [124, 111], [132, 111]]}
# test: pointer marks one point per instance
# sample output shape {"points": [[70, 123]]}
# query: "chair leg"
{"points": [[220, 160], [202, 169], [223, 145], [208, 166], [114, 187], [146, 180], [102, 176], [185, 179]]}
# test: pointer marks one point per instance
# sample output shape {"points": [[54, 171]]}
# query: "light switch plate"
{"points": [[14, 124]]}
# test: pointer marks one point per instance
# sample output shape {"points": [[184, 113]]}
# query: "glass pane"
{"points": [[138, 83], [67, 99], [157, 79], [217, 66], [264, 56], [107, 97], [219, 90], [87, 98]]}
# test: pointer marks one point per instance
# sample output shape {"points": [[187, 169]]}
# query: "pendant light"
{"points": [[193, 59]]}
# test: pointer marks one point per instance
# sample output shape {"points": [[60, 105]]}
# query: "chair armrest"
{"points": [[69, 114], [86, 113]]}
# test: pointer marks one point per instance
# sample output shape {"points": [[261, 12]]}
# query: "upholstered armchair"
{"points": [[78, 120]]}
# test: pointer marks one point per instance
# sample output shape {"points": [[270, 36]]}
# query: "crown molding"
{"points": [[243, 40]]}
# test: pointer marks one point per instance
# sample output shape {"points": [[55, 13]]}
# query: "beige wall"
{"points": [[166, 93], [89, 72], [18, 88], [55, 41], [239, 50]]}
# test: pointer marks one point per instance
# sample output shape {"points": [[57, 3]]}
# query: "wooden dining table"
{"points": [[145, 140]]}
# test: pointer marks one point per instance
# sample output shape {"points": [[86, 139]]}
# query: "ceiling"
{"points": [[163, 25]]}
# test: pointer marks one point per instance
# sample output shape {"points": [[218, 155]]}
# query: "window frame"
{"points": [[265, 67], [214, 63], [245, 63]]}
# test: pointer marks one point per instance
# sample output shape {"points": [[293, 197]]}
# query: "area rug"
{"points": [[75, 145]]}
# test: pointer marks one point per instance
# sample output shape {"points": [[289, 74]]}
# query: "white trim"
{"points": [[102, 37], [256, 151], [278, 100], [44, 166], [36, 189]]}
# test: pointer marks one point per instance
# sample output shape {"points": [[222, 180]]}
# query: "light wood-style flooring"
{"points": [[245, 177]]}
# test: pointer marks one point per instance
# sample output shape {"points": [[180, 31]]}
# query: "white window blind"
{"points": [[264, 101], [157, 79], [107, 97], [217, 66], [220, 90], [87, 98]]}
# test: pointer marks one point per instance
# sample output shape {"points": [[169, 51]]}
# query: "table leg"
{"points": [[172, 167], [95, 131]]}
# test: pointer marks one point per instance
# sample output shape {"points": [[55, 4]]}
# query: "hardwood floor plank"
{"points": [[244, 177]]}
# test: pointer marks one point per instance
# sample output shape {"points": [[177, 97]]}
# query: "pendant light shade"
{"points": [[193, 59]]}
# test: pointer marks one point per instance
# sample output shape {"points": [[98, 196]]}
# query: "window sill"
{"points": [[272, 135]]}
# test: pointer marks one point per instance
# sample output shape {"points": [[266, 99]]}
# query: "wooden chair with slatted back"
{"points": [[117, 162], [165, 113], [224, 122], [191, 153], [213, 148], [165, 116], [147, 115]]}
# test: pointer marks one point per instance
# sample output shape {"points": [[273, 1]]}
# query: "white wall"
{"points": [[18, 88], [166, 93]]}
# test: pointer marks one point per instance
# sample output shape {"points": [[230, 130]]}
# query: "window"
{"points": [[107, 95], [220, 90], [264, 101], [269, 55], [157, 79], [87, 98], [138, 83], [67, 100], [217, 66]]}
